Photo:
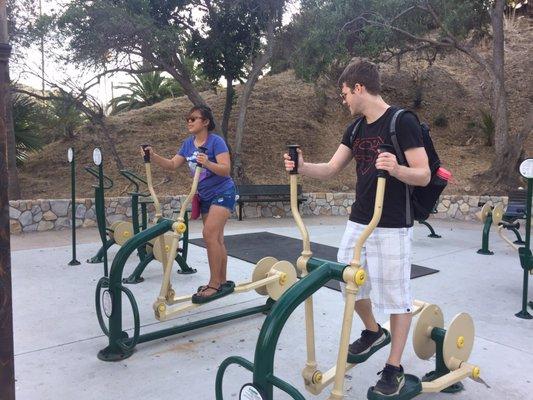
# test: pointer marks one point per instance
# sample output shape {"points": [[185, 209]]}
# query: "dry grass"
{"points": [[284, 110]]}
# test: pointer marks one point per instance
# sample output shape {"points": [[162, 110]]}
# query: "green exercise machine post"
{"points": [[526, 259], [452, 346], [71, 157], [119, 232], [270, 277]]}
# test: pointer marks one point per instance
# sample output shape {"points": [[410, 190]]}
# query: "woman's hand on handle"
{"points": [[289, 164], [148, 149], [201, 158]]}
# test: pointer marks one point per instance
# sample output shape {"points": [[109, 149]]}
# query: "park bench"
{"points": [[516, 206], [265, 193]]}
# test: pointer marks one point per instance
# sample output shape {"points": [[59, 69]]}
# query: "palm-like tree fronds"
{"points": [[27, 115], [146, 90]]}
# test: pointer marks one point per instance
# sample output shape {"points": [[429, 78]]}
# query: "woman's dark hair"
{"points": [[206, 114]]}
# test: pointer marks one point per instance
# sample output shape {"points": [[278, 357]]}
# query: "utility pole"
{"points": [[42, 48], [7, 359]]}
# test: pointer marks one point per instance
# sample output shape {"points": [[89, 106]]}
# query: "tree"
{"points": [[63, 118], [229, 39], [269, 20], [69, 94], [27, 117], [383, 30], [20, 15], [110, 32], [7, 358], [146, 89]]}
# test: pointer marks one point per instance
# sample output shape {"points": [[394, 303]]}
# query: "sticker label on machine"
{"points": [[248, 392]]}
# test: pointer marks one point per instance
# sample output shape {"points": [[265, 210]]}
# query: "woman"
{"points": [[216, 190]]}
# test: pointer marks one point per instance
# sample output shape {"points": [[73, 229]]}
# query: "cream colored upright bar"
{"points": [[354, 276], [310, 374], [178, 228], [157, 205]]}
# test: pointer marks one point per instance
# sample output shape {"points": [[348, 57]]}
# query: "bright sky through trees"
{"points": [[25, 73]]}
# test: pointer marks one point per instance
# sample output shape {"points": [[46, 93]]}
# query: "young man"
{"points": [[386, 256]]}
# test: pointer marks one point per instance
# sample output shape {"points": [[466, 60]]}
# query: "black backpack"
{"points": [[423, 198]]}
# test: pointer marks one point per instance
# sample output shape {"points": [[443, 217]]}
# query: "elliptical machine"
{"points": [[452, 346]]}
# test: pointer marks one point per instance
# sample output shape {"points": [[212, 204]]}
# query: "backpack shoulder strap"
{"points": [[402, 161], [355, 129], [392, 133]]}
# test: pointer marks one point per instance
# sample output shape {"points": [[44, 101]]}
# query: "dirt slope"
{"points": [[285, 110]]}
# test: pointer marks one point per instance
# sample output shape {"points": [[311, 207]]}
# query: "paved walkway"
{"points": [[57, 335]]}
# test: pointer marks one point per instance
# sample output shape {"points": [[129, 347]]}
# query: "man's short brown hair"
{"points": [[363, 72]]}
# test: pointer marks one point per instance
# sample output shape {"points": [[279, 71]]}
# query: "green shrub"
{"points": [[487, 127], [441, 121]]}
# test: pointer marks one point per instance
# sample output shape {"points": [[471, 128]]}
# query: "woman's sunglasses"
{"points": [[192, 119]]}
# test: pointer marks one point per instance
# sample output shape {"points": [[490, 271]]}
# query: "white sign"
{"points": [[107, 303], [70, 154], [526, 168], [97, 156], [249, 392]]}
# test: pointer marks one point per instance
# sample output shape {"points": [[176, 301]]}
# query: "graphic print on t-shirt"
{"points": [[191, 161], [365, 152]]}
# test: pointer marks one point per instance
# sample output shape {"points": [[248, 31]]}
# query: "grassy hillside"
{"points": [[285, 110]]}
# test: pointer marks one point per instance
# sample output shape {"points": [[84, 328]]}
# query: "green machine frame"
{"points": [[495, 216], [270, 277], [526, 258], [105, 183], [452, 346], [109, 297]]}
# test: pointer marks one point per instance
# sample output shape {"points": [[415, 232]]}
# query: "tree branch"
{"points": [[405, 33]]}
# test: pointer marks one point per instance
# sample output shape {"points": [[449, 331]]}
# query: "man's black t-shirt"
{"points": [[365, 150]]}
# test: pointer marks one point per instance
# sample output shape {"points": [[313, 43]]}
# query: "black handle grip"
{"points": [[146, 156], [384, 148], [202, 150], [293, 154]]}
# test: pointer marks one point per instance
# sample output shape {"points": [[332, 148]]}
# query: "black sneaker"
{"points": [[369, 342], [391, 382]]}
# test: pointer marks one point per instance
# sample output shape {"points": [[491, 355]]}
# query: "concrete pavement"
{"points": [[57, 335]]}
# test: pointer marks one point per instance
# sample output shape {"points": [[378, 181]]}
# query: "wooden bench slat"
{"points": [[265, 190], [265, 193], [516, 207]]}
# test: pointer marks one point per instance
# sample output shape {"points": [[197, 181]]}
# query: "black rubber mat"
{"points": [[252, 247]]}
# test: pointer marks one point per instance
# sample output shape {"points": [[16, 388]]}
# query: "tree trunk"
{"points": [[189, 89], [499, 97], [179, 72], [230, 94], [111, 143], [7, 358], [259, 63], [508, 149], [7, 112]]}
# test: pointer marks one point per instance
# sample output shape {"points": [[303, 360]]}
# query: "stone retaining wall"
{"points": [[44, 215]]}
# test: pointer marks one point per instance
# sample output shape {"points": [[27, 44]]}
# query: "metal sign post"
{"points": [[72, 161], [526, 259]]}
